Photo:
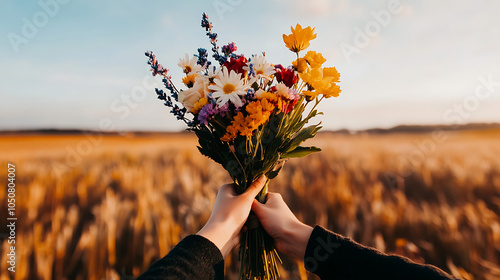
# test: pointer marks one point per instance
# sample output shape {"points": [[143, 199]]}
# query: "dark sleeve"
{"points": [[195, 257], [332, 256]]}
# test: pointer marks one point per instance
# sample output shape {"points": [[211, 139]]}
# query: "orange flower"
{"points": [[254, 108], [266, 105], [315, 80], [246, 126], [332, 72], [299, 39], [271, 97], [332, 89], [300, 64], [189, 80], [231, 133], [314, 59]]}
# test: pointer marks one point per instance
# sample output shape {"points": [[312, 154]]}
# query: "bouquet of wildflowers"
{"points": [[251, 116]]}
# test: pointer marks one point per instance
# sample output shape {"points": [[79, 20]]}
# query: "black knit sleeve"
{"points": [[195, 257], [332, 256]]}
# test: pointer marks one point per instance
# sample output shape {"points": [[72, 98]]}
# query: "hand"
{"points": [[229, 215], [290, 235]]}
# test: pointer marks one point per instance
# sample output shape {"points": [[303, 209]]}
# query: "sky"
{"points": [[80, 64]]}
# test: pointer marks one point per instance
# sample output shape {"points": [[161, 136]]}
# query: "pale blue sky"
{"points": [[84, 63]]}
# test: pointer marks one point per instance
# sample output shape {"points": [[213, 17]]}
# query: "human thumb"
{"points": [[256, 186], [259, 209]]}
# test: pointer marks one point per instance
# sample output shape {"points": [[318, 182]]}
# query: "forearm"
{"points": [[195, 257], [332, 256]]}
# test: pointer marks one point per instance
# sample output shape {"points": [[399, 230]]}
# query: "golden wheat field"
{"points": [[105, 207]]}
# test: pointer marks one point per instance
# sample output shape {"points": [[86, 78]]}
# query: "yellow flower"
{"points": [[321, 81], [312, 75], [189, 80], [332, 89], [332, 72], [299, 39], [198, 105], [314, 59], [316, 81], [300, 64]]}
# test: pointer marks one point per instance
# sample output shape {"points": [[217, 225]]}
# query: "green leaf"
{"points": [[301, 136], [274, 173], [311, 115], [300, 152]]}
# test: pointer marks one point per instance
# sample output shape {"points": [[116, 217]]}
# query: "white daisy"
{"points": [[193, 94], [190, 65], [262, 69], [212, 72], [282, 90], [228, 87]]}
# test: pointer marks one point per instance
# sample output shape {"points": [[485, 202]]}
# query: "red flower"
{"points": [[229, 48], [236, 65], [285, 75], [285, 104], [290, 106]]}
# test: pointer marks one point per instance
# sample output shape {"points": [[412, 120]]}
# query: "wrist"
{"points": [[299, 235], [220, 235]]}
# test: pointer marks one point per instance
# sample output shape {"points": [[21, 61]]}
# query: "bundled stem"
{"points": [[258, 256]]}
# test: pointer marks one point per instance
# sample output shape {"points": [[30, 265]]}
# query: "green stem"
{"points": [[242, 188], [262, 196]]}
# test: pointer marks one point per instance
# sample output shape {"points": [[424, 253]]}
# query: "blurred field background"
{"points": [[105, 207]]}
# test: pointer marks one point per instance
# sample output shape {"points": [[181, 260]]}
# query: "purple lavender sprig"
{"points": [[203, 58], [167, 82], [213, 39], [158, 69], [179, 113]]}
